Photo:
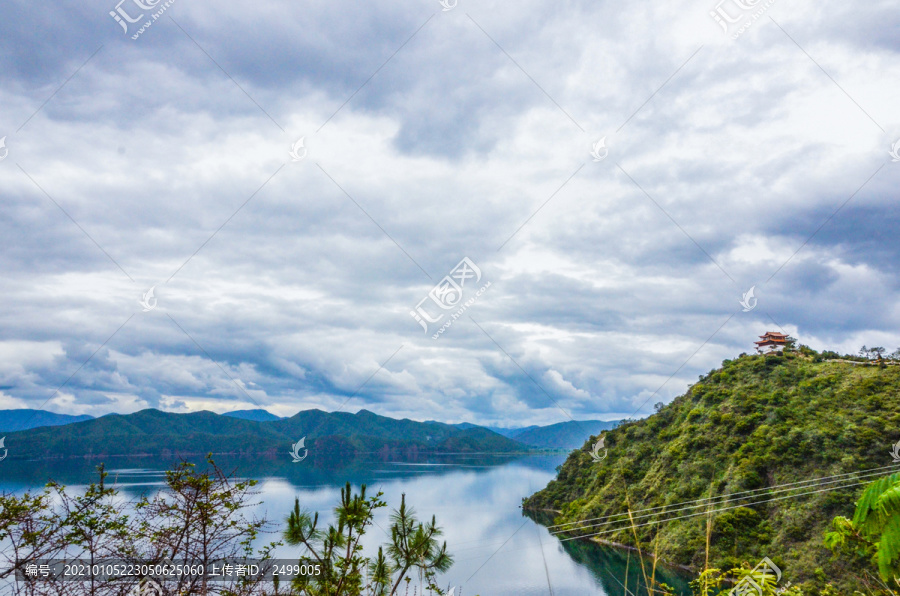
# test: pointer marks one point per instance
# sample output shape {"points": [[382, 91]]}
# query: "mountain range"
{"points": [[152, 432], [39, 434]]}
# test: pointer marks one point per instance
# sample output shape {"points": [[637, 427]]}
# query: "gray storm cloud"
{"points": [[435, 135]]}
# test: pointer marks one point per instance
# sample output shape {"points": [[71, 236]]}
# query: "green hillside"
{"points": [[152, 432], [259, 415], [757, 422]]}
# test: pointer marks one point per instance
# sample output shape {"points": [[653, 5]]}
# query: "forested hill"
{"points": [[757, 422], [152, 432]]}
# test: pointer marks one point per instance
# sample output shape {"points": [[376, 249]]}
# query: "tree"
{"points": [[873, 535], [338, 549], [29, 530], [56, 525], [95, 523], [415, 545], [344, 571], [197, 517]]}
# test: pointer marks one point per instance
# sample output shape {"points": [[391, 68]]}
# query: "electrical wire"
{"points": [[710, 512], [727, 496]]}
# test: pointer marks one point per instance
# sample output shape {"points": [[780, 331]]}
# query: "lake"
{"points": [[497, 550]]}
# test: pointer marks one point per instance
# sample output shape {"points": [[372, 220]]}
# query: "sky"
{"points": [[502, 213]]}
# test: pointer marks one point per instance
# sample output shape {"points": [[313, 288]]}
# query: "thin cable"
{"points": [[694, 506], [719, 503], [544, 557], [756, 490], [711, 512], [479, 544]]}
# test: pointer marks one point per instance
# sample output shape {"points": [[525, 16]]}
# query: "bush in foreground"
{"points": [[201, 518]]}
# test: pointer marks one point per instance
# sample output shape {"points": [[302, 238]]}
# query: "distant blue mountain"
{"points": [[13, 420], [509, 433], [512, 433], [255, 415], [563, 435]]}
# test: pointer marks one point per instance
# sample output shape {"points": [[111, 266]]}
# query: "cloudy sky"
{"points": [[161, 158]]}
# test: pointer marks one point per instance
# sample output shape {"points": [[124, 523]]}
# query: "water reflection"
{"points": [[617, 571], [498, 550]]}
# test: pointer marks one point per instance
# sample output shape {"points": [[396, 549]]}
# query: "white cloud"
{"points": [[300, 296]]}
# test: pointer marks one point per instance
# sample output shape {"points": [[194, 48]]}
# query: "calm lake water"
{"points": [[498, 551]]}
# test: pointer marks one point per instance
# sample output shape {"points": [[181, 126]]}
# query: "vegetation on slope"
{"points": [[259, 415], [151, 432], [872, 538], [757, 422]]}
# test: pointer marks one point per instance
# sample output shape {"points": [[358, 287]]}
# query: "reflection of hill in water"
{"points": [[315, 470], [475, 497], [610, 566]]}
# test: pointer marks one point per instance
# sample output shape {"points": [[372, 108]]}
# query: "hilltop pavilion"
{"points": [[771, 342]]}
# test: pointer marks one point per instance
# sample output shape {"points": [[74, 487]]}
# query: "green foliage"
{"points": [[337, 549], [756, 422], [29, 529], [415, 545], [345, 571], [874, 532], [198, 517], [152, 432]]}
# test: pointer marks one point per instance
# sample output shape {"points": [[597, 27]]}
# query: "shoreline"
{"points": [[181, 454], [618, 545]]}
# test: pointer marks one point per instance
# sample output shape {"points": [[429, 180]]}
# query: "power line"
{"points": [[709, 512], [721, 499], [731, 494], [479, 544]]}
